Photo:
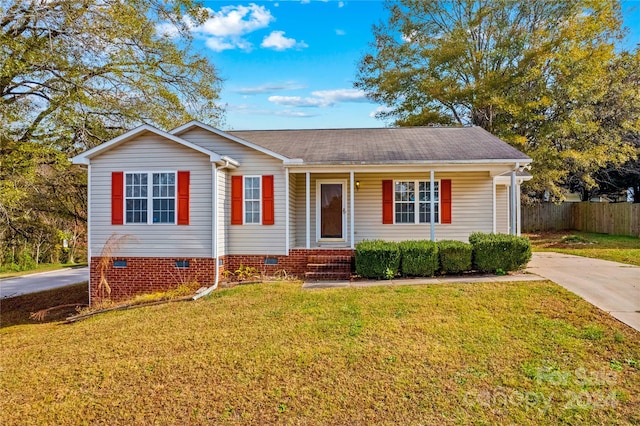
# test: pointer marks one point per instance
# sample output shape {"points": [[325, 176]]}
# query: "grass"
{"points": [[43, 267], [600, 246], [487, 353], [17, 310]]}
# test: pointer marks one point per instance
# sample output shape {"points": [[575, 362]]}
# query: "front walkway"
{"points": [[420, 281], [611, 286]]}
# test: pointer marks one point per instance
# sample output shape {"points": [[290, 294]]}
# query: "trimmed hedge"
{"points": [[419, 258], [455, 256], [377, 259], [493, 252]]}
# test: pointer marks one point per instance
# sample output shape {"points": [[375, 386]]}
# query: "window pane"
{"points": [[163, 198], [405, 202], [135, 195], [252, 199], [252, 212], [136, 211], [425, 201]]}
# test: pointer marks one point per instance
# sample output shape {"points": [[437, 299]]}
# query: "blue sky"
{"points": [[291, 64]]}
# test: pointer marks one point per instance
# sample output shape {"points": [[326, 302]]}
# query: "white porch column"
{"points": [[432, 205], [308, 209], [352, 213], [512, 216], [494, 205], [518, 211], [287, 242]]}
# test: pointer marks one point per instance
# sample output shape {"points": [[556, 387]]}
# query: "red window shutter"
{"points": [[387, 201], [236, 200], [183, 198], [117, 198], [445, 201], [268, 205]]}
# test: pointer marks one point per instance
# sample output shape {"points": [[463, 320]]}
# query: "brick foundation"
{"points": [[152, 274], [148, 275], [294, 265]]}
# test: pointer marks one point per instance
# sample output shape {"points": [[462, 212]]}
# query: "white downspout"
{"points": [[89, 223], [214, 231], [287, 226]]}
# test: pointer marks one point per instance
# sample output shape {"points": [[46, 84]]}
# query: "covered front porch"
{"points": [[334, 208]]}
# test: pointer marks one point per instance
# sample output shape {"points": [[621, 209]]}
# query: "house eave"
{"points": [[408, 163], [86, 157], [195, 123]]}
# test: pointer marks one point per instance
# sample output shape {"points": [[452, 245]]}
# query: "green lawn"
{"points": [[44, 267], [600, 246], [489, 353]]}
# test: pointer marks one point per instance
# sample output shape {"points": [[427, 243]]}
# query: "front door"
{"points": [[331, 210]]}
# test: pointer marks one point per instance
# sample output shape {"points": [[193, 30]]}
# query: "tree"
{"points": [[537, 74], [75, 73]]}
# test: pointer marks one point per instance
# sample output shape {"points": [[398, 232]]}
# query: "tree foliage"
{"points": [[75, 73], [544, 75]]}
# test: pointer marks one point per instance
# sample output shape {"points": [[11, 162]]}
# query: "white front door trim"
{"points": [[320, 182]]}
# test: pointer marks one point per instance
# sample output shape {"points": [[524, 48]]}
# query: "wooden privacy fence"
{"points": [[606, 218]]}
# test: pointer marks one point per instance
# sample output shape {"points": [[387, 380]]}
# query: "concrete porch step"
{"points": [[326, 275], [328, 267]]}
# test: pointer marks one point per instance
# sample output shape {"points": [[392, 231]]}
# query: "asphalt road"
{"points": [[611, 286], [10, 287]]}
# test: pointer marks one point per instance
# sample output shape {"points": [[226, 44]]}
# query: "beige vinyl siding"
{"points": [[293, 213], [472, 207], [151, 153], [249, 238], [502, 209], [222, 213]]}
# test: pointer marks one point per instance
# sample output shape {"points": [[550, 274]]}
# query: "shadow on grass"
{"points": [[17, 310]]}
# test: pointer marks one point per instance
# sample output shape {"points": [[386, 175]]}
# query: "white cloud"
{"points": [[340, 4], [236, 20], [277, 41], [225, 29], [305, 1], [379, 110], [341, 95], [167, 29], [269, 88], [340, 32], [297, 101], [246, 109], [322, 98], [219, 44]]}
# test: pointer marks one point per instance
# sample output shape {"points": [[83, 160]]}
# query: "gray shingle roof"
{"points": [[384, 145]]}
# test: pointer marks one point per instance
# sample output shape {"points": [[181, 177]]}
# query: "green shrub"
{"points": [[419, 258], [377, 259], [455, 256], [492, 252]]}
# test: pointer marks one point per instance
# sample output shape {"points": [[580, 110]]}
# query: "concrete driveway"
{"points": [[10, 287], [611, 286]]}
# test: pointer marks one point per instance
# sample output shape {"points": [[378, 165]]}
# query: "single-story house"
{"points": [[167, 208]]}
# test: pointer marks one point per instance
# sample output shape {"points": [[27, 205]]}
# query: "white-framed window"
{"points": [[412, 201], [252, 199], [150, 197]]}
